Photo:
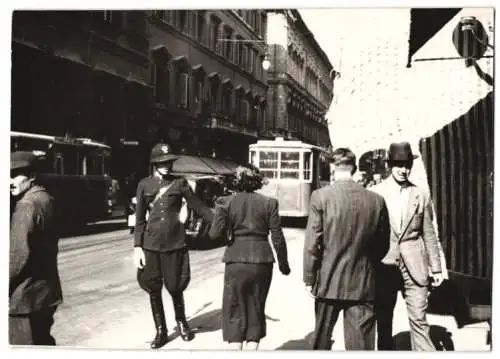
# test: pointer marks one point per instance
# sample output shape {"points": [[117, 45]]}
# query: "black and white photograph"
{"points": [[252, 178]]}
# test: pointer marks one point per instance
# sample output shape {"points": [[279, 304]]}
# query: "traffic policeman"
{"points": [[34, 284], [160, 252]]}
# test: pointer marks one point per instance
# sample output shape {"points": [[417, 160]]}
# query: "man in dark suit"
{"points": [[414, 255], [34, 285], [160, 252], [347, 234]]}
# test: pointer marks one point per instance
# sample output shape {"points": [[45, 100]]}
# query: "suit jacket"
{"points": [[163, 231], [34, 282], [346, 236], [250, 217], [415, 240]]}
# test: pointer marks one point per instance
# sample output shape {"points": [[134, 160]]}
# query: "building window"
{"points": [[160, 77], [183, 82], [249, 57], [160, 14], [227, 43], [200, 25], [255, 62], [183, 21], [213, 96], [108, 16], [265, 125], [214, 33], [262, 24], [241, 51], [226, 97], [245, 115], [198, 96]]}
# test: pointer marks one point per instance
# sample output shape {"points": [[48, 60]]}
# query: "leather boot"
{"points": [[180, 316], [161, 337]]}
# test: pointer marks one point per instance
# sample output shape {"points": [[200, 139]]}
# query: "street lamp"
{"points": [[266, 64]]}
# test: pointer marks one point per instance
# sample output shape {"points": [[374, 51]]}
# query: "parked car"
{"points": [[209, 179]]}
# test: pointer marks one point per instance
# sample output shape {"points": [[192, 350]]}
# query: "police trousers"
{"points": [[33, 328], [171, 269]]}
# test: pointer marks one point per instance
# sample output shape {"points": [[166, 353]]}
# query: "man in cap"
{"points": [[160, 253], [347, 235], [34, 285], [413, 251]]}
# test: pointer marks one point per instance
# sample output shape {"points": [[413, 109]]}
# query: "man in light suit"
{"points": [[346, 237], [414, 249]]}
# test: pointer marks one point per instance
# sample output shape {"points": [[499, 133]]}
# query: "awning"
{"points": [[425, 23], [202, 165]]}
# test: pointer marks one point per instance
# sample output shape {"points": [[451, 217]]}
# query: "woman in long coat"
{"points": [[247, 218]]}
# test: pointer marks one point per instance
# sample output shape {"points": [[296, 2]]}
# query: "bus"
{"points": [[75, 171], [294, 169]]}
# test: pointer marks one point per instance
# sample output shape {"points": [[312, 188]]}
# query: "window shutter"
{"points": [[183, 90], [154, 80]]}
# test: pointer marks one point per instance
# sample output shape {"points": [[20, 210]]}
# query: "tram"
{"points": [[75, 171], [294, 170]]}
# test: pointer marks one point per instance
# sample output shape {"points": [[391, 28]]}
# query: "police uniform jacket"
{"points": [[34, 282], [250, 217], [163, 231]]}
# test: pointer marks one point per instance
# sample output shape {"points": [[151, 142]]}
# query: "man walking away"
{"points": [[347, 234]]}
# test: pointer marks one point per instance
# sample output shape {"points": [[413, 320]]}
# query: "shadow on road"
{"points": [[291, 222], [207, 322], [298, 344], [448, 299], [440, 336], [94, 228]]}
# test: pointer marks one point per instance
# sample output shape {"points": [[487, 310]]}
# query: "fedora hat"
{"points": [[162, 152], [400, 152], [21, 159]]}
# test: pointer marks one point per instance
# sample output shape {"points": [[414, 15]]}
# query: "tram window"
{"points": [[84, 165], [70, 155], [307, 166], [94, 164], [268, 164], [253, 158], [290, 165], [290, 160], [58, 164]]}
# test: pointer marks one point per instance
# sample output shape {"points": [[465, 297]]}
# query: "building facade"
{"points": [[300, 86], [131, 78], [83, 73], [208, 82]]}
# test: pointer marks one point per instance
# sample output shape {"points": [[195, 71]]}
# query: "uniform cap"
{"points": [[162, 152]]}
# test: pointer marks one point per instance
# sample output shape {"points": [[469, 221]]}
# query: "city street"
{"points": [[104, 307]]}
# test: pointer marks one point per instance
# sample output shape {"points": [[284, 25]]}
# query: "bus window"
{"points": [[290, 164], [268, 164], [307, 166]]}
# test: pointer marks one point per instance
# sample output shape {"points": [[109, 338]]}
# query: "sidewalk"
{"points": [[290, 319]]}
